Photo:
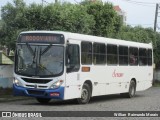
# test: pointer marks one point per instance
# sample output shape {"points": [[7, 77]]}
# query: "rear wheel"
{"points": [[132, 90], [85, 94], [43, 100]]}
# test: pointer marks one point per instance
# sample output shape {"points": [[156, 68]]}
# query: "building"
{"points": [[121, 13]]}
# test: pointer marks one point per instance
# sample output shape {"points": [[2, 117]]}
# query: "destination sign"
{"points": [[41, 38]]}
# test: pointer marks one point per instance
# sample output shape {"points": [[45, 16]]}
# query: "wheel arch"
{"points": [[90, 85], [134, 79]]}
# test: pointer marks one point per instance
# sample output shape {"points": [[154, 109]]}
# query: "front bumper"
{"points": [[39, 93]]}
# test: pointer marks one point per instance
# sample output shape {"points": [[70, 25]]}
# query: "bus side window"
{"points": [[133, 56], [99, 53], [149, 57], [123, 55], [72, 58], [112, 55], [86, 53], [142, 57]]}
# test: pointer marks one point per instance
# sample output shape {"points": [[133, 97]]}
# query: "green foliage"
{"points": [[88, 17], [5, 91], [143, 35], [13, 16], [19, 17], [156, 83], [107, 22]]}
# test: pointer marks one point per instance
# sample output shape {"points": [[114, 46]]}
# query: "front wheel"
{"points": [[132, 90], [43, 100], [85, 94]]}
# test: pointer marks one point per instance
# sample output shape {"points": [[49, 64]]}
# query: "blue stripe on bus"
{"points": [[22, 91]]}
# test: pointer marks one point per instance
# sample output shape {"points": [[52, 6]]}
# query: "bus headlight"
{"points": [[57, 84], [17, 82]]}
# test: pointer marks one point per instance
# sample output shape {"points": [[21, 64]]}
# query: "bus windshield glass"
{"points": [[39, 60]]}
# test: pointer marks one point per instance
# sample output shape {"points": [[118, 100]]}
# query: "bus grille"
{"points": [[40, 81], [38, 86], [35, 92]]}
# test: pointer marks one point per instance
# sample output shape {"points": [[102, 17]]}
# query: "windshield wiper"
{"points": [[32, 52], [40, 54], [30, 49], [45, 50], [34, 56], [45, 69]]}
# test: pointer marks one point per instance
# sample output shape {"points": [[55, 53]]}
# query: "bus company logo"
{"points": [[116, 74], [35, 86]]}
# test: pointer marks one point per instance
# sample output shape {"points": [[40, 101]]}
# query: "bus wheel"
{"points": [[85, 94], [132, 90], [43, 100]]}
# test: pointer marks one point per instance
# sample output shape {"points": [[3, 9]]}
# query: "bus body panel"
{"points": [[73, 79], [105, 79], [39, 93], [44, 90], [73, 85]]}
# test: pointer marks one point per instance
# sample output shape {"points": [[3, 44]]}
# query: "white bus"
{"points": [[62, 65]]}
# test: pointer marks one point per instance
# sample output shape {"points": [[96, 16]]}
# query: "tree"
{"points": [[68, 17], [107, 22], [143, 35], [65, 17], [12, 15], [88, 17]]}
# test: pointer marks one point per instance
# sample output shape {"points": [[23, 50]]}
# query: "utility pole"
{"points": [[156, 16], [42, 3]]}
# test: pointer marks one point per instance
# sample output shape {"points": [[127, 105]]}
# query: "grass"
{"points": [[156, 83], [6, 94], [5, 91]]}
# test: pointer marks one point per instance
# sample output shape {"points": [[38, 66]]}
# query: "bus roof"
{"points": [[90, 38]]}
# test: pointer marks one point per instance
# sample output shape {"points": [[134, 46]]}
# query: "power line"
{"points": [[76, 1], [140, 3], [43, 1], [46, 2], [142, 24]]}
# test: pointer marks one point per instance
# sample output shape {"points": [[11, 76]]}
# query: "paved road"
{"points": [[148, 100]]}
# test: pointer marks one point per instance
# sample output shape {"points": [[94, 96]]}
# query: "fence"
{"points": [[6, 71], [6, 76], [156, 76]]}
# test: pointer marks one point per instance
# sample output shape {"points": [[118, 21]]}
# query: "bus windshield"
{"points": [[39, 60]]}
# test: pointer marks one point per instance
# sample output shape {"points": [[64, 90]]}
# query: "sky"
{"points": [[138, 12]]}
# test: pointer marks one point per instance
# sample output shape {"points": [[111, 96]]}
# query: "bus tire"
{"points": [[43, 100], [132, 90], [85, 94]]}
